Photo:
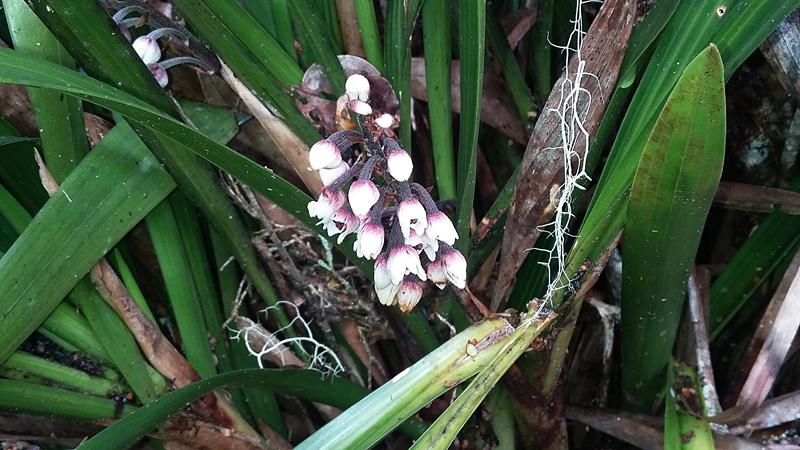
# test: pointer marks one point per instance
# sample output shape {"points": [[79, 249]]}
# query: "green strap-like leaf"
{"points": [[303, 384], [670, 197], [91, 212], [28, 71]]}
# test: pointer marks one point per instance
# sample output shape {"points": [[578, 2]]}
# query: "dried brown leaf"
{"points": [[542, 165]]}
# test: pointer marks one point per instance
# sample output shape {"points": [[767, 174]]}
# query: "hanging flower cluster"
{"points": [[397, 223]]}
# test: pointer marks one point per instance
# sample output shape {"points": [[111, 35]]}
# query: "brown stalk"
{"points": [[348, 24], [693, 340], [542, 164], [539, 398], [497, 111], [755, 198], [780, 49], [645, 431], [773, 338], [293, 149]]}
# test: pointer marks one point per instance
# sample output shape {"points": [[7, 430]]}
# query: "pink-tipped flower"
{"points": [[343, 222], [437, 274], [359, 107], [147, 48], [328, 203], [385, 121], [441, 228], [400, 165], [386, 290], [159, 73], [422, 242], [402, 261], [455, 266], [409, 294], [363, 194], [357, 87], [324, 154], [328, 176], [411, 214], [370, 240]]}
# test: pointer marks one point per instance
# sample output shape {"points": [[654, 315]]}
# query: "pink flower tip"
{"points": [[159, 74], [359, 107]]}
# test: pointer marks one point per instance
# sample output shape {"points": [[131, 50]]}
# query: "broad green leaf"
{"points": [[458, 359], [93, 209], [303, 384], [670, 197], [471, 51], [682, 430]]}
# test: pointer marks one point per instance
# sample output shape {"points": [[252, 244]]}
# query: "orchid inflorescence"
{"points": [[147, 46], [398, 224]]}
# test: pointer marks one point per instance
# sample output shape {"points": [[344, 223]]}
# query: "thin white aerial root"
{"points": [[277, 347]]}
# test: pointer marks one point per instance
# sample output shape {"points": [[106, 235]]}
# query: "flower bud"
{"points": [[411, 214], [363, 194], [159, 74], [455, 266], [357, 87], [370, 240], [400, 165], [441, 228], [324, 154], [384, 287], [328, 176], [437, 274], [409, 294], [385, 121], [359, 107], [402, 261], [148, 50]]}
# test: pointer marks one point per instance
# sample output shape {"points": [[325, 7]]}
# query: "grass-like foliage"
{"points": [[352, 224]]}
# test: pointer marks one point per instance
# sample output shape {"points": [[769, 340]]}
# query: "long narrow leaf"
{"points": [[471, 50], [73, 230]]}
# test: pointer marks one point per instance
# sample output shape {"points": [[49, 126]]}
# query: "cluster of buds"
{"points": [[397, 223], [147, 46]]}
